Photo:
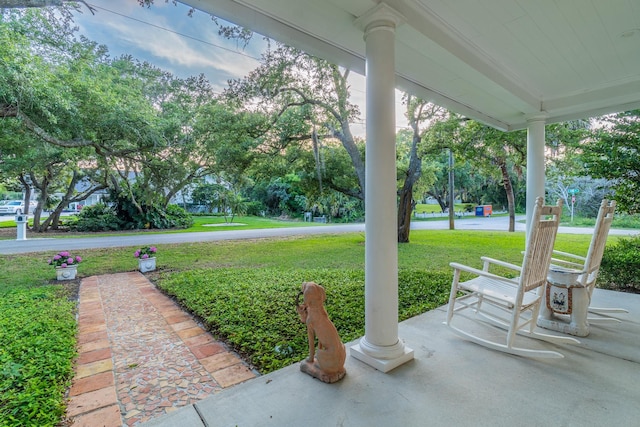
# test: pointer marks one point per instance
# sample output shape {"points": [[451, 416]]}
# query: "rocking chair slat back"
{"points": [[540, 243], [598, 242]]}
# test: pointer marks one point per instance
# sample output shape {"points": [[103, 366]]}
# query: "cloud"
{"points": [[167, 37]]}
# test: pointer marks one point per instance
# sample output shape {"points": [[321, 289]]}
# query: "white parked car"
{"points": [[15, 207]]}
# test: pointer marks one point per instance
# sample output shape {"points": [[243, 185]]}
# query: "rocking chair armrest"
{"points": [[482, 273], [565, 263], [488, 260], [570, 255]]}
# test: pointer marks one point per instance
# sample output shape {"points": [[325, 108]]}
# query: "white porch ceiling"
{"points": [[497, 61]]}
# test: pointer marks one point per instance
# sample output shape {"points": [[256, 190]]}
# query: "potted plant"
{"points": [[66, 265], [146, 258]]}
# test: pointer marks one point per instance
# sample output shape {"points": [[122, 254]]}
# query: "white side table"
{"points": [[565, 303]]}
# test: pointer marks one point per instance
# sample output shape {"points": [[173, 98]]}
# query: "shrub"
{"points": [[156, 217], [99, 217], [68, 222], [255, 208], [620, 268], [178, 217]]}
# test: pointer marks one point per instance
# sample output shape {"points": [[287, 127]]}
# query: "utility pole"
{"points": [[452, 225]]}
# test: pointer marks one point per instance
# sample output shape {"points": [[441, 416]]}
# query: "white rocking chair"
{"points": [[513, 296], [590, 265]]}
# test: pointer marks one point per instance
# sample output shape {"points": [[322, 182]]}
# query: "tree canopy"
{"points": [[614, 154], [75, 122]]}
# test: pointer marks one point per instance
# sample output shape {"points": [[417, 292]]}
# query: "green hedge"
{"points": [[620, 268], [37, 348], [253, 310]]}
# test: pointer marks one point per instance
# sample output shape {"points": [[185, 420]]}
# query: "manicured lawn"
{"points": [[243, 290]]}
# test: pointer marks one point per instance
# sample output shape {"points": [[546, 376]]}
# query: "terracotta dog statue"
{"points": [[327, 363]]}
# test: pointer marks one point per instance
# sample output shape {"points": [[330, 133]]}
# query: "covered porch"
{"points": [[509, 64], [450, 382]]}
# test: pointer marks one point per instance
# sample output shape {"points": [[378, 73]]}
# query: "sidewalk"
{"points": [[141, 356], [469, 223]]}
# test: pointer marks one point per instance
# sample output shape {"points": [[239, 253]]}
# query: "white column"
{"points": [[381, 347], [535, 163]]}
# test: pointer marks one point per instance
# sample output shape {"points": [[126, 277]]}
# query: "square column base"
{"points": [[382, 365]]}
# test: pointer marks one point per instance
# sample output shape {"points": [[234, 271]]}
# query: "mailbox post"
{"points": [[21, 222]]}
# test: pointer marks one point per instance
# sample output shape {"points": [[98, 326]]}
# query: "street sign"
{"points": [[573, 191]]}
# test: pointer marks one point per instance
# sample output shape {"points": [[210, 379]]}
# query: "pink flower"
{"points": [[64, 259], [145, 256], [136, 254], [153, 249]]}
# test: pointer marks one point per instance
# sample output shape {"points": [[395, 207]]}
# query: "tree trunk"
{"points": [[404, 214], [508, 188], [440, 197], [316, 156], [53, 220], [27, 196], [27, 193], [42, 186], [414, 171], [44, 194], [346, 138]]}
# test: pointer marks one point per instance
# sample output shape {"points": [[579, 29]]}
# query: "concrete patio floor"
{"points": [[451, 382]]}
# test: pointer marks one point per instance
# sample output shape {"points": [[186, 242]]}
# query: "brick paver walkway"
{"points": [[141, 356]]}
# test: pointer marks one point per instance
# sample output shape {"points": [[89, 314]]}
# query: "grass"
{"points": [[214, 223], [243, 290], [429, 249]]}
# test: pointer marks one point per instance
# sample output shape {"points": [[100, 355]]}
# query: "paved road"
{"points": [[56, 244]]}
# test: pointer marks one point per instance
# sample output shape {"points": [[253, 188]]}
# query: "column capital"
{"points": [[540, 116], [382, 15]]}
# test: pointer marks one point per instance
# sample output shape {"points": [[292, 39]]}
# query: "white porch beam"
{"points": [[381, 347]]}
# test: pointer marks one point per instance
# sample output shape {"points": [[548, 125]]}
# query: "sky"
{"points": [[167, 37]]}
